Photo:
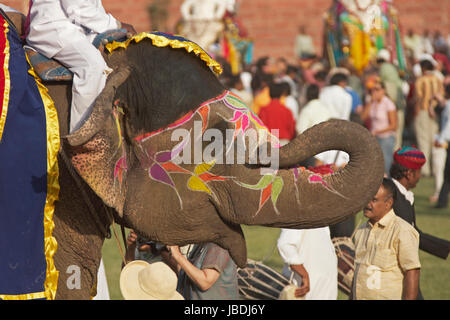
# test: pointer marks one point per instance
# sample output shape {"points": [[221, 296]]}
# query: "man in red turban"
{"points": [[410, 157], [405, 173]]}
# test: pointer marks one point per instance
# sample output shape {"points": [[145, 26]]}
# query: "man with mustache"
{"points": [[387, 265]]}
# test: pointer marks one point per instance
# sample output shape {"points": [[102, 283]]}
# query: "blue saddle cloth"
{"points": [[51, 70], [27, 167]]}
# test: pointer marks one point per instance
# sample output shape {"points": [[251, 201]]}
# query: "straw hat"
{"points": [[140, 280], [288, 293]]}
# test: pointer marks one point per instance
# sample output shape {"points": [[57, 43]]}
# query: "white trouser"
{"points": [[89, 77], [102, 283], [400, 128], [426, 129], [439, 155]]}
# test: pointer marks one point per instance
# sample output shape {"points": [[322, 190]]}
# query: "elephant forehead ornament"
{"points": [[163, 39]]}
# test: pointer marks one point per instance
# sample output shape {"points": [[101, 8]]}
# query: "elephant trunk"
{"points": [[342, 135], [298, 198]]}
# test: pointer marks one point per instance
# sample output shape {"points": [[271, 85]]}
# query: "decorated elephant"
{"points": [[135, 161]]}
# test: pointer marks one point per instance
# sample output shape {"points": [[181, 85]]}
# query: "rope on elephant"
{"points": [[118, 243]]}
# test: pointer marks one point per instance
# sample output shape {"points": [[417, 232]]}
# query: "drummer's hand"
{"points": [[304, 289]]}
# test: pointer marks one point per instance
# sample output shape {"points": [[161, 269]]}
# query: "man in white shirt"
{"points": [[427, 42], [337, 99], [314, 112], [64, 30], [304, 45], [311, 256]]}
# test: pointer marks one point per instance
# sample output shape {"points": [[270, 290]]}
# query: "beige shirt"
{"points": [[427, 87], [383, 253]]}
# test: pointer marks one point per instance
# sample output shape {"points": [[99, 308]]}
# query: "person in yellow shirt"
{"points": [[387, 265]]}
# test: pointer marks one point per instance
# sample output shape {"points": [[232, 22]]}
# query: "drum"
{"points": [[345, 252], [260, 282]]}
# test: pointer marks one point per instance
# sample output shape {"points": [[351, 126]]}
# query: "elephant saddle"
{"points": [[51, 70]]}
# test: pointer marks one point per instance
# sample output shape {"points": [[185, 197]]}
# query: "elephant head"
{"points": [[162, 106]]}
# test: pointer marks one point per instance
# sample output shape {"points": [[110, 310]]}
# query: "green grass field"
{"points": [[435, 272]]}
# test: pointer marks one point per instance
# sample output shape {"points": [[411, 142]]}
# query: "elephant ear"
{"points": [[102, 108]]}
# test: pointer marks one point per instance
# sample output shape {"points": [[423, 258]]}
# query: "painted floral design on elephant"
{"points": [[243, 119], [161, 164], [270, 186]]}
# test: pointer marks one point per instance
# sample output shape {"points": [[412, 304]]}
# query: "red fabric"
{"points": [[408, 163], [410, 157], [277, 116], [226, 48], [443, 59], [322, 170], [27, 21]]}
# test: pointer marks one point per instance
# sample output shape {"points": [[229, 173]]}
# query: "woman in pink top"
{"points": [[381, 116]]}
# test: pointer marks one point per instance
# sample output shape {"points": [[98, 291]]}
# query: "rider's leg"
{"points": [[90, 72]]}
